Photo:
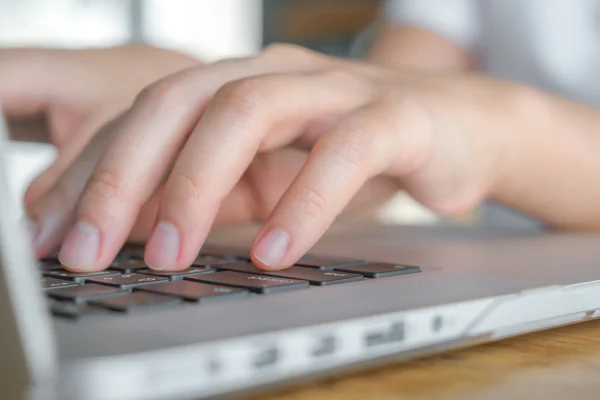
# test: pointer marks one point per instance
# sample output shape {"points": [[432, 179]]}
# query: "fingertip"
{"points": [[79, 251], [270, 249], [162, 249]]}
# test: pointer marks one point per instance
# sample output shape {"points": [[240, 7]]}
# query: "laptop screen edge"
{"points": [[29, 354]]}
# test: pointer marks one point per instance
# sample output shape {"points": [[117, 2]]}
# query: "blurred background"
{"points": [[208, 29]]}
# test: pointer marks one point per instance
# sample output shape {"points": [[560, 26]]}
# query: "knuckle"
{"points": [[106, 185], [354, 148], [344, 76], [312, 202], [243, 97], [283, 51], [411, 116], [183, 186], [162, 94]]}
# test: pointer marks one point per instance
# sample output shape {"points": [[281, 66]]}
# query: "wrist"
{"points": [[512, 126]]}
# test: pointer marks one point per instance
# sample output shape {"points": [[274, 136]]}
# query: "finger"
{"points": [[241, 119], [51, 214], [143, 151], [67, 154], [372, 140]]}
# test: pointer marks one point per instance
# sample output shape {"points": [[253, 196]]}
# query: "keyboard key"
{"points": [[194, 291], [224, 251], [131, 252], [134, 301], [128, 266], [75, 310], [211, 261], [77, 276], [323, 262], [53, 283], [254, 283], [314, 276], [89, 291], [381, 270], [127, 281], [45, 266], [176, 275]]}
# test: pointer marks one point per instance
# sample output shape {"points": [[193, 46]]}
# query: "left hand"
{"points": [[359, 122]]}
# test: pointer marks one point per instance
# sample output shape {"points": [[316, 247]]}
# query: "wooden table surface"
{"points": [[562, 363]]}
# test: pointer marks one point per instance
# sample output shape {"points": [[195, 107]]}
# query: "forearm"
{"points": [[413, 48]]}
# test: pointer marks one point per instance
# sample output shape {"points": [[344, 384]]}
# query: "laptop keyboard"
{"points": [[219, 273]]}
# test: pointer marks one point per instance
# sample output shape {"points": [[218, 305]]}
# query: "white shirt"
{"points": [[551, 44]]}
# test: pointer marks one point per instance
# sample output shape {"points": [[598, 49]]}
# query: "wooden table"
{"points": [[562, 363]]}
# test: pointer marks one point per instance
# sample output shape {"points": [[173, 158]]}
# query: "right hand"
{"points": [[77, 91]]}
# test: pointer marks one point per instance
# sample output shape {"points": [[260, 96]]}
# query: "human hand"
{"points": [[186, 149], [77, 91]]}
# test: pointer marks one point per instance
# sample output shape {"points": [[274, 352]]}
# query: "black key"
{"points": [[49, 266], [134, 301], [314, 276], [131, 252], [50, 259], [211, 261], [77, 276], [381, 270], [127, 266], [53, 283], [127, 281], [194, 291], [325, 262], [224, 251], [75, 310], [254, 283], [176, 275], [85, 292]]}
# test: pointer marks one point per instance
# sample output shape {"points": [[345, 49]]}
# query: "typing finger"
{"points": [[374, 139], [246, 116], [51, 213], [143, 151], [67, 155]]}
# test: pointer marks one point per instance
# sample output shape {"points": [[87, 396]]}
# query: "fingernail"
{"points": [[163, 247], [80, 249], [272, 247]]}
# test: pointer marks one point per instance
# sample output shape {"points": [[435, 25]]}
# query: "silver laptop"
{"points": [[222, 327]]}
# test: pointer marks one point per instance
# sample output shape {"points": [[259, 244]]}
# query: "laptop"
{"points": [[223, 328]]}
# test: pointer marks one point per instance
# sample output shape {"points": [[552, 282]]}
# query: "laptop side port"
{"points": [[325, 345], [266, 358], [395, 333]]}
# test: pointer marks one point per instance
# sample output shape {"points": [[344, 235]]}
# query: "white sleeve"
{"points": [[457, 20]]}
